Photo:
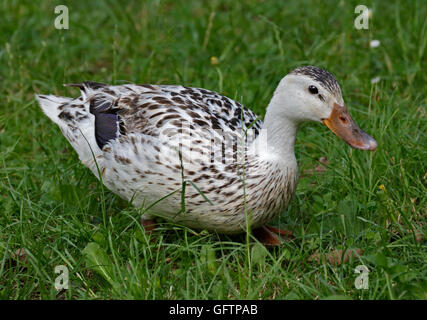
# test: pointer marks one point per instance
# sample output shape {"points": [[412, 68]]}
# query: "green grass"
{"points": [[55, 209]]}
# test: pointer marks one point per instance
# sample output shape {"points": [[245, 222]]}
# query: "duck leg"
{"points": [[149, 224], [270, 236]]}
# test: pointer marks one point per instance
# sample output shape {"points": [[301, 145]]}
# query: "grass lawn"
{"points": [[53, 211]]}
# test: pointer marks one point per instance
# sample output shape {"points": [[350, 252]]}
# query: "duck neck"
{"points": [[277, 138]]}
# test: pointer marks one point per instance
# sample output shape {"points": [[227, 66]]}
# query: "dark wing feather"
{"points": [[106, 120], [106, 127]]}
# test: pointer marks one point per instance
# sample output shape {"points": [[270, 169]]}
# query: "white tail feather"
{"points": [[50, 104], [80, 133]]}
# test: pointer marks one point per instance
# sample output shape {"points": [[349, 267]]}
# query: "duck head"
{"points": [[313, 94]]}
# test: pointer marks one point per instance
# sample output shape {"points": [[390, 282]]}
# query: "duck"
{"points": [[198, 158]]}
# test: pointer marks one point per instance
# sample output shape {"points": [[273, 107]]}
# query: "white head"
{"points": [[313, 94]]}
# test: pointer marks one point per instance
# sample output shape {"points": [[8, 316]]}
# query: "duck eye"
{"points": [[313, 90]]}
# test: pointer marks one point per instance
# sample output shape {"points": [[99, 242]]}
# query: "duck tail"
{"points": [[51, 105], [76, 123]]}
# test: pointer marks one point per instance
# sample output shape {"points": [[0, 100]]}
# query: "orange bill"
{"points": [[341, 123]]}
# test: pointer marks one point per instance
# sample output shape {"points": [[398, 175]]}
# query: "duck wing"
{"points": [[152, 109]]}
